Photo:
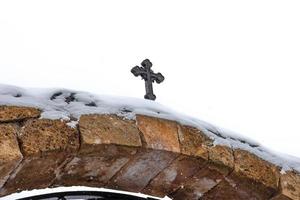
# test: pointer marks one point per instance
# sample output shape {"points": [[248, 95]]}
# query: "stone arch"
{"points": [[149, 155]]}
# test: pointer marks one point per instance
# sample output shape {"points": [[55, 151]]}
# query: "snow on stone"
{"points": [[70, 105]]}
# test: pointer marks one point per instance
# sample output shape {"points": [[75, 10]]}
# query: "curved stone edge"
{"points": [[148, 132]]}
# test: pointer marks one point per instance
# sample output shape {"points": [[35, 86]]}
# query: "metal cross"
{"points": [[149, 76]]}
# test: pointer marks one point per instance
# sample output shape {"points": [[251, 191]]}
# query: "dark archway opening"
{"points": [[86, 195]]}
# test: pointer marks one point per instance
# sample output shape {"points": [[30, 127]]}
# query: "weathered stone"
{"points": [[16, 113], [10, 155], [33, 173], [222, 169], [280, 197], [174, 176], [234, 187], [290, 184], [112, 155], [255, 168], [46, 144], [43, 135], [193, 142], [95, 169], [108, 129], [200, 183], [144, 166], [222, 155], [159, 133]]}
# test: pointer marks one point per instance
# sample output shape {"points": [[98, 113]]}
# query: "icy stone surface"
{"points": [[70, 105]]}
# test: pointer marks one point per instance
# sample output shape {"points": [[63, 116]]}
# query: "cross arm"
{"points": [[158, 78], [139, 71]]}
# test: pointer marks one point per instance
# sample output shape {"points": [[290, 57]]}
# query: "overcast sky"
{"points": [[232, 63]]}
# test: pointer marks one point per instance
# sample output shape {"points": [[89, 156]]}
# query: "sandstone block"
{"points": [[46, 144], [33, 173], [200, 183], [95, 169], [159, 133], [108, 129], [10, 155], [290, 184], [235, 187], [45, 136], [16, 113], [222, 155], [256, 168], [174, 176], [193, 142], [143, 167]]}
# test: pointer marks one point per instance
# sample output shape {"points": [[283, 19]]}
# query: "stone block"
{"points": [[256, 168], [108, 129], [17, 113], [193, 142], [174, 176], [235, 187], [141, 169], [46, 136], [45, 144], [199, 184], [221, 155], [290, 184], [158, 133], [95, 169], [10, 155]]}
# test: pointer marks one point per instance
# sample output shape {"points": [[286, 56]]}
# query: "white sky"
{"points": [[233, 63]]}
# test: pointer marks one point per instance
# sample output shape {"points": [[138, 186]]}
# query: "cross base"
{"points": [[150, 96]]}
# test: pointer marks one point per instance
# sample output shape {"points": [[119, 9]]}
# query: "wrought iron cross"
{"points": [[149, 76]]}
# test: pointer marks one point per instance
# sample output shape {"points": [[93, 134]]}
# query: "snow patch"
{"points": [[72, 124]]}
